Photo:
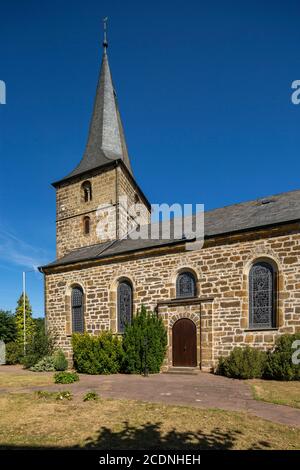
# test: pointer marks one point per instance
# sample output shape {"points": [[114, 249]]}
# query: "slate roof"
{"points": [[106, 140], [263, 212]]}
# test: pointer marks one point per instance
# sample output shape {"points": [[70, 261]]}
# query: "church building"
{"points": [[242, 287]]}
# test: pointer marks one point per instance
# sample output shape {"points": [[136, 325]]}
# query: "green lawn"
{"points": [[280, 393]]}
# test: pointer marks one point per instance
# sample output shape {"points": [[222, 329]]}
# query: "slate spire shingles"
{"points": [[106, 140]]}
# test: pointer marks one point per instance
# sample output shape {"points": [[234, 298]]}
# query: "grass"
{"points": [[280, 393], [19, 380], [29, 421]]}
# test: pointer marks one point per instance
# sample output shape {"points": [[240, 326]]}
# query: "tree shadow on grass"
{"points": [[151, 436]]}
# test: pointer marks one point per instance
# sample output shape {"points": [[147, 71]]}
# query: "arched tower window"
{"points": [[262, 296], [86, 225], [77, 310], [87, 191], [124, 305], [186, 285]]}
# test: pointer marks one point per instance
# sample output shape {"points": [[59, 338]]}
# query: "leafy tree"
{"points": [[8, 330], [144, 343], [41, 344], [30, 324]]}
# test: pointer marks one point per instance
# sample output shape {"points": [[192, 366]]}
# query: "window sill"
{"points": [[261, 329]]}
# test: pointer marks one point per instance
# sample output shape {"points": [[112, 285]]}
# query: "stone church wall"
{"points": [[221, 308]]}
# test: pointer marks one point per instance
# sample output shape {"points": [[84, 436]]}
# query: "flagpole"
{"points": [[24, 311]]}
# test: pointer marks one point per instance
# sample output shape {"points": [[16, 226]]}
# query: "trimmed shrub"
{"points": [[65, 377], [144, 343], [102, 354], [60, 361], [279, 365], [243, 363], [46, 364], [13, 353]]}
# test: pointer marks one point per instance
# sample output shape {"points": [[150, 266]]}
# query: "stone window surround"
{"points": [[68, 304], [279, 286]]}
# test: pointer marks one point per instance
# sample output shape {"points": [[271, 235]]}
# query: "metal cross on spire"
{"points": [[105, 43]]}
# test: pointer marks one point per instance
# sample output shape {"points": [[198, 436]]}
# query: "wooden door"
{"points": [[184, 343]]}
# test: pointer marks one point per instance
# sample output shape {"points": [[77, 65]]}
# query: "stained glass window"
{"points": [[185, 285], [124, 305], [262, 296], [77, 310]]}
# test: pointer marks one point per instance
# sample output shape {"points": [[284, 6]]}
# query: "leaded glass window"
{"points": [[124, 305], [262, 296], [77, 310], [185, 285]]}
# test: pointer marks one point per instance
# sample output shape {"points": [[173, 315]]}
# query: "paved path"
{"points": [[202, 390]]}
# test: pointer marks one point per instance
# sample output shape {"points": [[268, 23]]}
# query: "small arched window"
{"points": [[186, 285], [124, 305], [86, 225], [262, 296], [87, 191], [77, 310]]}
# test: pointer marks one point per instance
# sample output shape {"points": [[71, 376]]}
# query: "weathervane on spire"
{"points": [[105, 43]]}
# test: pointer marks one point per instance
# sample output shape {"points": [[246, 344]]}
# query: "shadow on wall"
{"points": [[151, 436]]}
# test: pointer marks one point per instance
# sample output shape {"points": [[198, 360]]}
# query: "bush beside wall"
{"points": [[243, 363], [279, 364], [102, 354], [249, 363]]}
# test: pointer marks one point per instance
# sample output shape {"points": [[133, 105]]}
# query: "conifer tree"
{"points": [[30, 325]]}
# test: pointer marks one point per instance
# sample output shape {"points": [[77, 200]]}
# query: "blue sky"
{"points": [[204, 90]]}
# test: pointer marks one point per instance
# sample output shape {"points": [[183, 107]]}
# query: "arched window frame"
{"points": [[86, 225], [186, 291], [86, 191], [263, 299], [124, 304], [77, 309]]}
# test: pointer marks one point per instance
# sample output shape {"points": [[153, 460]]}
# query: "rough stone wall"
{"points": [[71, 209], [106, 223], [221, 268], [132, 211]]}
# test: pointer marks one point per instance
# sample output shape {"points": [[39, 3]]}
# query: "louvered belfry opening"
{"points": [[262, 296], [124, 305], [77, 310]]}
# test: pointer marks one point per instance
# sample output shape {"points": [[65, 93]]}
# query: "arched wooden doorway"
{"points": [[184, 343]]}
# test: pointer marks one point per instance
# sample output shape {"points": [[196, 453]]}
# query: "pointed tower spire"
{"points": [[106, 139], [105, 43]]}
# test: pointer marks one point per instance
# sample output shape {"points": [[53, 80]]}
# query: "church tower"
{"points": [[100, 201]]}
